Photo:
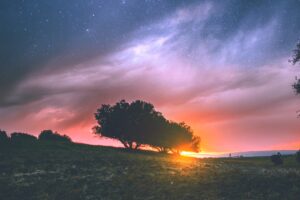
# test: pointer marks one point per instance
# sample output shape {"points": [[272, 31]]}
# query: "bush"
{"points": [[277, 159], [49, 135], [19, 138], [298, 156], [3, 137]]}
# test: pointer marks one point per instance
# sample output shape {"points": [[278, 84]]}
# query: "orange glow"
{"points": [[200, 155]]}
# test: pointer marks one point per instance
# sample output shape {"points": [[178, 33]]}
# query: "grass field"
{"points": [[73, 171]]}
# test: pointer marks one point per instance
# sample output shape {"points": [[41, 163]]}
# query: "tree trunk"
{"points": [[175, 151], [137, 145], [130, 145], [124, 143]]}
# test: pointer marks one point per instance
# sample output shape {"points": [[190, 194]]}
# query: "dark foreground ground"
{"points": [[57, 171]]}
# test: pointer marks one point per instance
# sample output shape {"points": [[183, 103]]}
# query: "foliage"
{"points": [[49, 135], [296, 59], [178, 137], [298, 155], [3, 137], [138, 123], [20, 138], [277, 159], [296, 55], [296, 86]]}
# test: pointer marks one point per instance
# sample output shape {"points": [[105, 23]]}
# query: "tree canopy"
{"points": [[49, 135], [20, 138], [296, 55], [138, 123]]}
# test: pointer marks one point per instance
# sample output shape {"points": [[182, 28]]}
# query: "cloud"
{"points": [[229, 87]]}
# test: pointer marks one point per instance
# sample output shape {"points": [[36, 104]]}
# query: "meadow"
{"points": [[48, 170]]}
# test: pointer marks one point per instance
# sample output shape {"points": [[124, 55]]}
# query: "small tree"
{"points": [[3, 137], [298, 155], [49, 135], [277, 159]]}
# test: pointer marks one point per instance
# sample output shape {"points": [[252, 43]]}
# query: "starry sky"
{"points": [[220, 66]]}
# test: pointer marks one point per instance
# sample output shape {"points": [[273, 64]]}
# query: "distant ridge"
{"points": [[241, 154], [259, 153]]}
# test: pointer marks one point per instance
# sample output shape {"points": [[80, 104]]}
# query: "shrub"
{"points": [[277, 159], [3, 137], [19, 138], [49, 135], [298, 156]]}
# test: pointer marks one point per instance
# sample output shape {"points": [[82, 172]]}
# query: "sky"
{"points": [[220, 66]]}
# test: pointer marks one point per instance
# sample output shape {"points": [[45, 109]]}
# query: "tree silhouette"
{"points": [[19, 138], [49, 135], [296, 54], [3, 137], [138, 123], [295, 59], [114, 122], [125, 122], [177, 137], [296, 86]]}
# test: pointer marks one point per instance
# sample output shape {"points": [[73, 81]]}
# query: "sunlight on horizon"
{"points": [[202, 154]]}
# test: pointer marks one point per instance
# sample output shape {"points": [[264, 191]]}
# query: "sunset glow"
{"points": [[202, 154]]}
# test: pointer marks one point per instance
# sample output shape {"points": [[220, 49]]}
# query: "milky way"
{"points": [[220, 66]]}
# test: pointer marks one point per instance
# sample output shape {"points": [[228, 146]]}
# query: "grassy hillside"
{"points": [[73, 171]]}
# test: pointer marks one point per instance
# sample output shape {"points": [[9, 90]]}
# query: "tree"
{"points": [[179, 137], [277, 159], [295, 59], [125, 122], [3, 137], [19, 138], [49, 135], [298, 155], [296, 54], [114, 123], [138, 123], [296, 86]]}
